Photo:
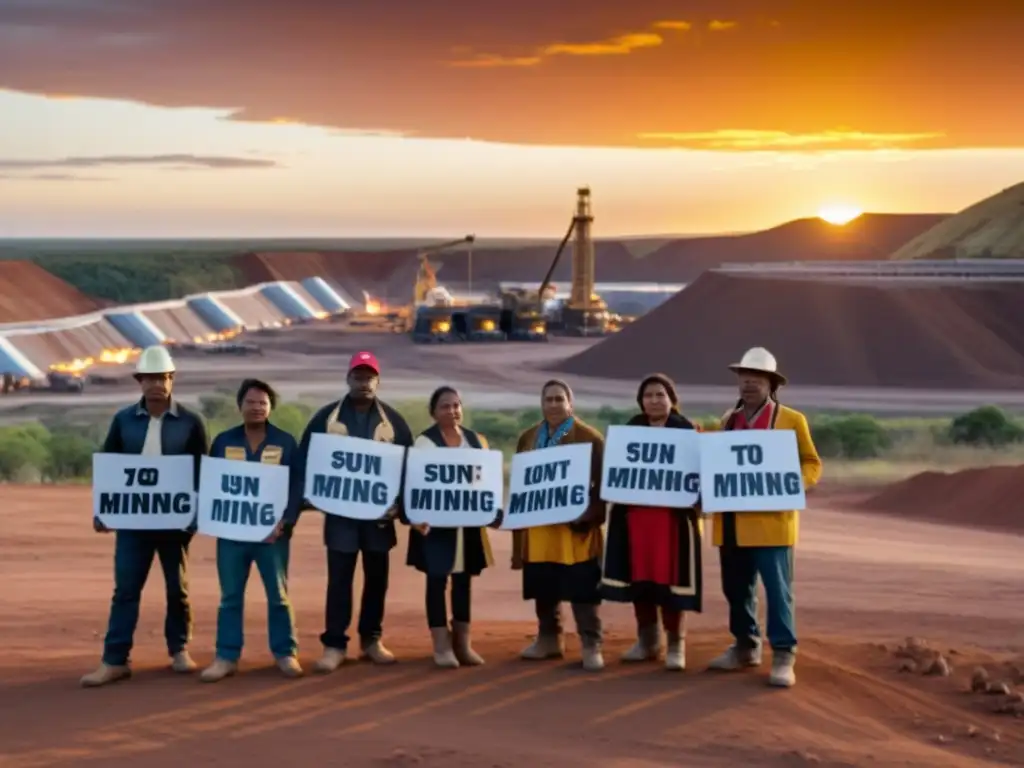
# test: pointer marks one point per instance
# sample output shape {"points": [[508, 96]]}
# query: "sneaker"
{"points": [[544, 647], [377, 652], [182, 663]]}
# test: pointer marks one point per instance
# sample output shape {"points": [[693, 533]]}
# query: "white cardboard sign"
{"points": [[548, 486], [131, 492], [453, 487], [651, 466], [750, 470], [241, 500], [351, 477]]}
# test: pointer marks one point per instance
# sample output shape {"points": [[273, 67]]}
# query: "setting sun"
{"points": [[839, 213]]}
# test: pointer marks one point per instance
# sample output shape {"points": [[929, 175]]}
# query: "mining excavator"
{"points": [[525, 314]]}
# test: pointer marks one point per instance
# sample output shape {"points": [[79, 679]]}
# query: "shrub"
{"points": [[851, 437], [24, 452], [69, 455], [988, 425]]}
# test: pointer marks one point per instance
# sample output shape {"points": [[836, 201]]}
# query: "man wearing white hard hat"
{"points": [[760, 544], [156, 425]]}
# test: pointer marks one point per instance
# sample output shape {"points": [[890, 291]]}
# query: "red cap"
{"points": [[364, 360]]}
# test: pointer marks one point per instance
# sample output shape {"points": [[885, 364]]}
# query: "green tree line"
{"points": [[55, 452]]}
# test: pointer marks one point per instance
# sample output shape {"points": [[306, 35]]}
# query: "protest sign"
{"points": [[354, 478], [651, 466], [241, 500], [453, 487], [143, 493], [750, 471], [548, 486]]}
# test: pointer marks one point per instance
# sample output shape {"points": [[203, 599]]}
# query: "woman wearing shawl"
{"points": [[653, 555], [562, 563], [458, 553]]}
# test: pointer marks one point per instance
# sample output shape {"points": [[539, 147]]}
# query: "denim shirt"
{"points": [[182, 432], [278, 447]]}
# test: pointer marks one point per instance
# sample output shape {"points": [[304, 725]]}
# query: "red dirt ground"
{"points": [[825, 334], [984, 498], [863, 580], [29, 292]]}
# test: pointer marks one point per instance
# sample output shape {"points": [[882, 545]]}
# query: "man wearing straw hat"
{"points": [[156, 425], [760, 544]]}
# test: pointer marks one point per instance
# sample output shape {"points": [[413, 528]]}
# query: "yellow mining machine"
{"points": [[584, 313]]}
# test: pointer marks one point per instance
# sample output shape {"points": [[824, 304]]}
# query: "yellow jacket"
{"points": [[776, 529]]}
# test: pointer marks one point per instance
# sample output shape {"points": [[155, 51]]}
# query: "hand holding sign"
{"points": [[143, 493]]}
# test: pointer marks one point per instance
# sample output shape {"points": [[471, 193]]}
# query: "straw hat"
{"points": [[759, 360]]}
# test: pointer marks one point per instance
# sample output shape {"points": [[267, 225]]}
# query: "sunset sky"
{"points": [[180, 118]]}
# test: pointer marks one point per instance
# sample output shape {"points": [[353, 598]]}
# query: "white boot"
{"points": [[444, 654], [782, 675], [734, 659], [647, 646], [544, 647], [675, 657]]}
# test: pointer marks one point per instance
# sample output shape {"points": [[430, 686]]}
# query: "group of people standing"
{"points": [[650, 557]]}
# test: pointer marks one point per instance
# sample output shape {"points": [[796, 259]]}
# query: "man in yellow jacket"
{"points": [[753, 544]]}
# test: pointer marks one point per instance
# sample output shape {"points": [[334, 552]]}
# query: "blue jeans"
{"points": [[741, 567], [133, 559], [234, 562]]}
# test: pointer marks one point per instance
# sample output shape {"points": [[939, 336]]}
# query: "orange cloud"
{"points": [[755, 140], [612, 46], [680, 26], [720, 26], [487, 60]]}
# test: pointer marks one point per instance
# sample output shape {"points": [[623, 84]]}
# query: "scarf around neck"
{"points": [[546, 440]]}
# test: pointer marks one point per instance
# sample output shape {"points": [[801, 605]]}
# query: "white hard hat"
{"points": [[760, 360], [154, 360]]}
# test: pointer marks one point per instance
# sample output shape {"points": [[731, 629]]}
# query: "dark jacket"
{"points": [[434, 554], [183, 432], [279, 448], [686, 591], [382, 423]]}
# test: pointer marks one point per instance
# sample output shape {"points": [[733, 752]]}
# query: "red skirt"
{"points": [[653, 544]]}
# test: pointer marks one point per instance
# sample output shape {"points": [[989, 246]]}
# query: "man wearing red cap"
{"points": [[359, 414]]}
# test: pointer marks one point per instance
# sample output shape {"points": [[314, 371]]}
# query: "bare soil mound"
{"points": [[982, 498], [28, 292], [990, 229], [390, 274], [824, 334]]}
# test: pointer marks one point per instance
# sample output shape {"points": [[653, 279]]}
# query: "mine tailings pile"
{"points": [[392, 273], [980, 498], [28, 292], [881, 334]]}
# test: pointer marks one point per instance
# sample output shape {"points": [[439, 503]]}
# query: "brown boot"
{"points": [[463, 645], [106, 674]]}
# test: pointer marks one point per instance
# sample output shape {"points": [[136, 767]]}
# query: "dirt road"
{"points": [[862, 582]]}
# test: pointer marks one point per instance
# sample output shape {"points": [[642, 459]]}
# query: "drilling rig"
{"points": [[521, 314]]}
